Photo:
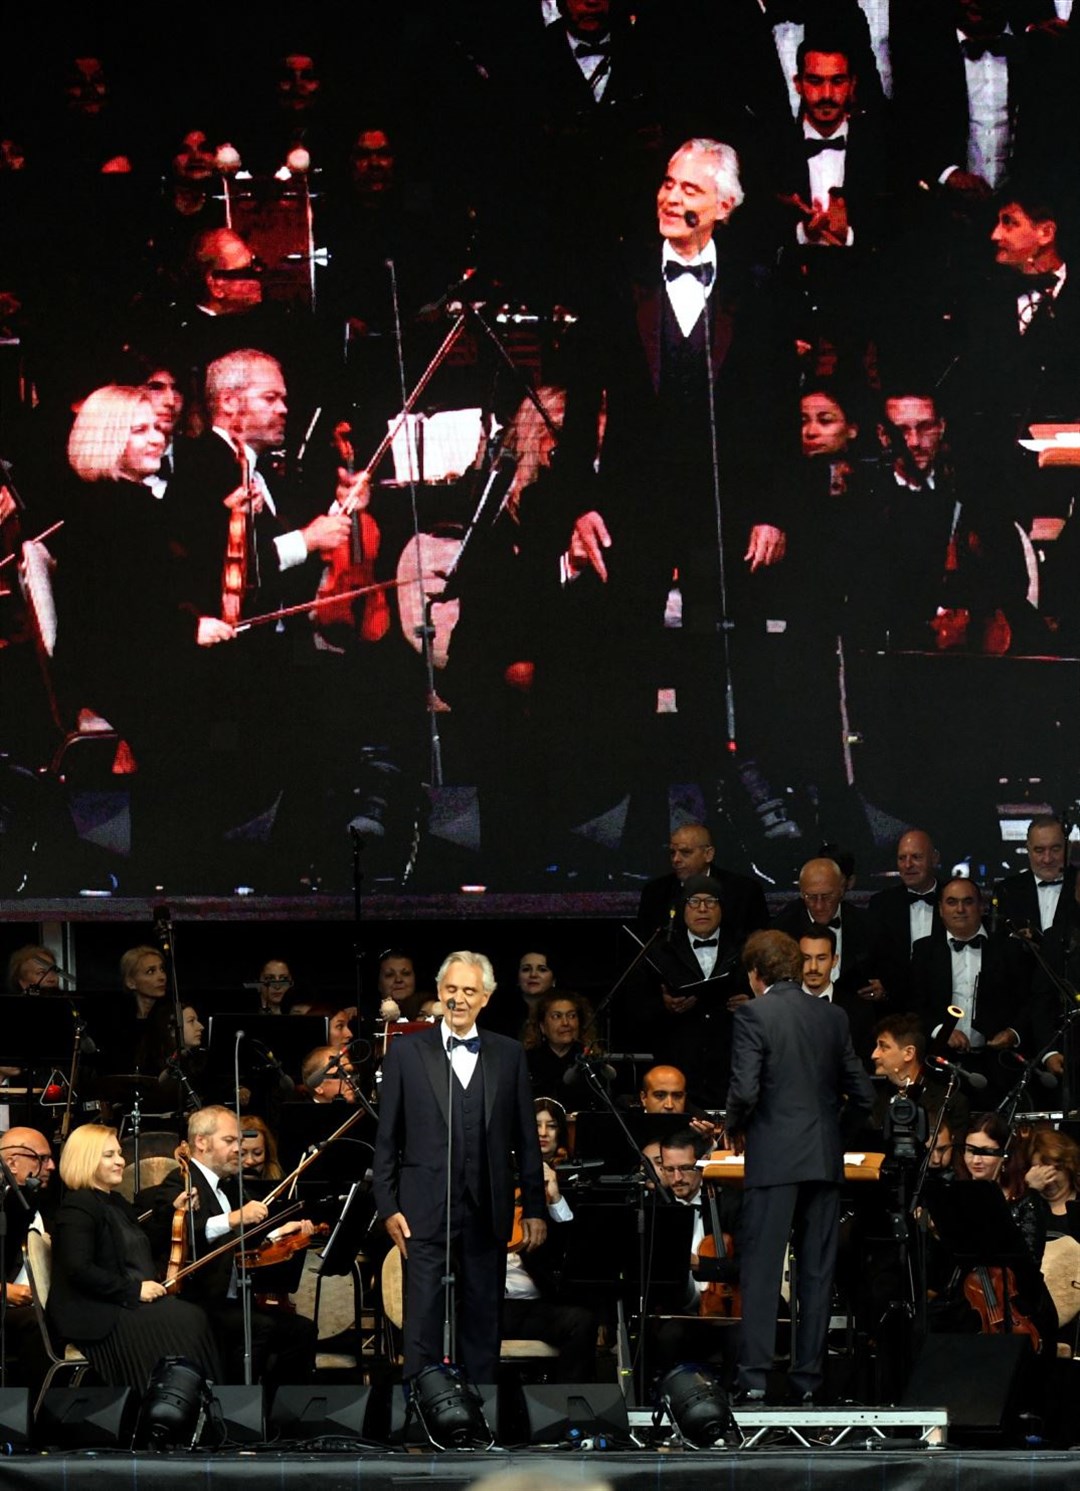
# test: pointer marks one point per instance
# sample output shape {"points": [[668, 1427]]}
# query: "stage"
{"points": [[787, 1470]]}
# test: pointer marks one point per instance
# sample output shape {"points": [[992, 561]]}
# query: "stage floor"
{"points": [[900, 1470]]}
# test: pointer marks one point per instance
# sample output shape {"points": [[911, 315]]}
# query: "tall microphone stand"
{"points": [[243, 1276], [448, 1281]]}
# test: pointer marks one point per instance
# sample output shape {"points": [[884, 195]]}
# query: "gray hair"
{"points": [[232, 374], [474, 960], [722, 162]]}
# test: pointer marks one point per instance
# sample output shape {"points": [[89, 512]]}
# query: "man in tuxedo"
{"points": [[692, 852], [792, 1070], [986, 978], [469, 1089], [283, 1344], [821, 904], [700, 985], [905, 912], [683, 352], [28, 1156], [820, 962], [1039, 897]]}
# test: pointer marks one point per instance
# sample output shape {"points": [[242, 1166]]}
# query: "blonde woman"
{"points": [[104, 1296]]}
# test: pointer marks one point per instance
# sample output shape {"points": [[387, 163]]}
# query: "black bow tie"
{"points": [[701, 272], [1059, 881], [927, 897], [470, 1042], [706, 942], [975, 48], [592, 48], [958, 946], [815, 147]]}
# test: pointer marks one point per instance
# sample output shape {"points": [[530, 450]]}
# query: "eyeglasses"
{"points": [[27, 1154], [703, 903], [988, 1154]]}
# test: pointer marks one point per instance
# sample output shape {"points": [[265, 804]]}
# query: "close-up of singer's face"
{"points": [[689, 186]]}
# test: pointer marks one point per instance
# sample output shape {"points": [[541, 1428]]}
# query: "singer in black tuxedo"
{"points": [[793, 1069], [1020, 905], [473, 1105]]}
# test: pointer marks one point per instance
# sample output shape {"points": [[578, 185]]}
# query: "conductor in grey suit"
{"points": [[455, 1093], [792, 1070]]}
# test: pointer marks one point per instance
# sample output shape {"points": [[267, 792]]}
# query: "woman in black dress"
{"points": [[126, 640], [104, 1296]]}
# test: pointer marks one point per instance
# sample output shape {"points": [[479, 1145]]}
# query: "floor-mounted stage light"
{"points": [[697, 1405], [450, 1411], [175, 1406]]}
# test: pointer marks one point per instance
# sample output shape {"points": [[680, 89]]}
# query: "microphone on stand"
{"points": [[690, 218]]}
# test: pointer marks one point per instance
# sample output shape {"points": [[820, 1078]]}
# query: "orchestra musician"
{"points": [[104, 1296], [126, 644], [283, 1344]]}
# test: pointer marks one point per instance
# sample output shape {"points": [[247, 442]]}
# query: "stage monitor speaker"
{"points": [[395, 1432], [87, 1418], [976, 1378], [236, 1416], [301, 1411], [14, 1419], [572, 1412]]}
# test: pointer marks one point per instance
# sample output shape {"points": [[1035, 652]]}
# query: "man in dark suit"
{"points": [[905, 912], [700, 985], [454, 1085], [855, 988], [692, 852], [986, 978], [283, 1344], [792, 1069], [1038, 898], [683, 351]]}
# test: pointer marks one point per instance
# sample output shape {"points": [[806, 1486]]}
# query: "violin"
{"points": [[351, 566], [234, 572], [280, 1249], [718, 1299], [992, 1294], [183, 1217]]}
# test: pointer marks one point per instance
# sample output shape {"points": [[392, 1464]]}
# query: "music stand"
{"points": [[599, 1136], [288, 1039], [303, 1124], [975, 1223]]}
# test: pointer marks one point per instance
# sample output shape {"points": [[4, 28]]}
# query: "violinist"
{"points": [[283, 1344], [531, 1307], [105, 1297]]}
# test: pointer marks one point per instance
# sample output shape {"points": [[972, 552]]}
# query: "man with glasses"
{"points": [[700, 984], [691, 852], [29, 1160]]}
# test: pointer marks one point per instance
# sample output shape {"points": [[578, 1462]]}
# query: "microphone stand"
{"points": [[448, 1280], [589, 1071], [628, 970], [243, 1276], [1070, 998]]}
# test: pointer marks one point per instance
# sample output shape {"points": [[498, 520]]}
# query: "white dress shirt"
{"points": [[462, 1060], [1029, 301], [291, 548], [920, 920], [989, 127], [1049, 895], [966, 967], [686, 295]]}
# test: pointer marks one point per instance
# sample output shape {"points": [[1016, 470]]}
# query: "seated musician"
{"points": [[663, 1090], [323, 1073], [531, 1308], [283, 1344], [258, 1149], [28, 1156], [711, 1261], [105, 1297], [551, 1130], [275, 987], [399, 997], [32, 970]]}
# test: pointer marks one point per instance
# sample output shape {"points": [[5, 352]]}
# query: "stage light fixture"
{"points": [[175, 1406], [450, 1411], [697, 1405]]}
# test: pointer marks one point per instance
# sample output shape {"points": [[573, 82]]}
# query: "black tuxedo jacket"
{"points": [[866, 174], [1004, 981], [857, 967], [742, 903], [208, 1284], [199, 522], [698, 1041], [890, 923], [409, 1170], [1016, 902], [792, 1068], [90, 1285]]}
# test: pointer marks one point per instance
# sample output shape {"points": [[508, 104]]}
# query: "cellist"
{"points": [[283, 1344]]}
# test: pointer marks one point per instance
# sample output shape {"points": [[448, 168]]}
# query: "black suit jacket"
{"points": [[857, 967], [210, 1283], [792, 1069], [90, 1285], [890, 922], [742, 903], [1004, 979], [866, 174], [409, 1172], [1016, 902]]}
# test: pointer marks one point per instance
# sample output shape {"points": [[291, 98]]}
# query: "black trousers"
{"points": [[478, 1260], [809, 1213], [282, 1344]]}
